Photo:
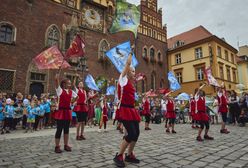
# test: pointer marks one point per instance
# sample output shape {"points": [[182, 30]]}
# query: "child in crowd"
{"points": [[41, 114], [31, 111], [1, 117], [9, 115]]}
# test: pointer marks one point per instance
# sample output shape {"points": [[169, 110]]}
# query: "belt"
{"points": [[63, 108], [170, 111], [127, 105]]}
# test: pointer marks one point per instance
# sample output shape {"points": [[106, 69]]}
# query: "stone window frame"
{"points": [[178, 58], [100, 50], [154, 58], [13, 29], [198, 53], [47, 32]]}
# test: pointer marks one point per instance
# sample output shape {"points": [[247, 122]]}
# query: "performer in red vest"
{"points": [[146, 112], [104, 117], [223, 109], [127, 114], [192, 112], [201, 114], [81, 109], [63, 114], [170, 114]]}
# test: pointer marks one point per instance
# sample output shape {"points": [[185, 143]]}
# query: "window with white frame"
{"points": [[7, 33], [199, 73], [179, 77], [198, 53], [178, 58]]}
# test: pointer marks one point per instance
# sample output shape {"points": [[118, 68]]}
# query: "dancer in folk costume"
{"points": [[192, 106], [201, 114], [223, 109], [146, 112], [127, 114], [81, 109], [63, 114], [170, 113], [104, 117], [91, 106]]}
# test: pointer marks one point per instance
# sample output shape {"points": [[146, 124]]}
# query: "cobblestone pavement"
{"points": [[155, 149]]}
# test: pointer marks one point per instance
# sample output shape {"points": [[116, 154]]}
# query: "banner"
{"points": [[174, 85], [76, 48], [119, 55], [90, 82], [127, 18], [110, 90], [210, 78], [51, 58]]}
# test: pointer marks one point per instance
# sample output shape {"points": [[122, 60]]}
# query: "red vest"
{"points": [[222, 104], [64, 111], [105, 113], [81, 97], [201, 114], [146, 107], [127, 112], [127, 94], [192, 106], [81, 102], [170, 111]]}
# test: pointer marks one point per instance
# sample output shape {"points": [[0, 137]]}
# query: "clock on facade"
{"points": [[92, 18]]}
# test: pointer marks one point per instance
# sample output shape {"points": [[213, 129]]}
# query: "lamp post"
{"points": [[82, 66]]}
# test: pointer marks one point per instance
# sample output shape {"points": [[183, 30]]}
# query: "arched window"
{"points": [[103, 47], [71, 3], [69, 38], [153, 81], [144, 54], [159, 57], [53, 36], [152, 54], [7, 33]]}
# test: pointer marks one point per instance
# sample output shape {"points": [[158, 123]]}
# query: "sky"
{"points": [[223, 18]]}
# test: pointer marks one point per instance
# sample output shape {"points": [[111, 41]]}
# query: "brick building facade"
{"points": [[29, 26]]}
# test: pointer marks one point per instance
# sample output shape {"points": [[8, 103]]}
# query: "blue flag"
{"points": [[119, 54], [174, 85], [90, 82], [110, 90], [136, 96]]}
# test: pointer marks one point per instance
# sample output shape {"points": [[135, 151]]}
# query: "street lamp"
{"points": [[82, 66]]}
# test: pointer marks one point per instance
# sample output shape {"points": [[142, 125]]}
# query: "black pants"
{"points": [[62, 125], [37, 119], [172, 120], [46, 119], [24, 121], [8, 122], [133, 131], [204, 123], [148, 118]]}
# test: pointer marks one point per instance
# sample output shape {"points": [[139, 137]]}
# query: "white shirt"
{"points": [[163, 105], [59, 92], [123, 80]]}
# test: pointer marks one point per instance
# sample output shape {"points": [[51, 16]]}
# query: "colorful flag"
{"points": [[151, 93], [210, 78], [163, 91], [139, 77], [183, 96], [119, 55], [174, 85], [51, 58], [110, 90], [90, 82], [76, 48], [127, 18]]}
